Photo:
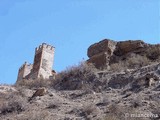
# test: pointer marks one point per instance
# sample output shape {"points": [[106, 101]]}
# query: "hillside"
{"points": [[119, 81]]}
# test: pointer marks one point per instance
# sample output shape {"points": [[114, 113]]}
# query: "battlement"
{"points": [[44, 46]]}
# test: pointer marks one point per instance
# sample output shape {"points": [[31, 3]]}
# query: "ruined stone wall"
{"points": [[42, 66], [24, 70]]}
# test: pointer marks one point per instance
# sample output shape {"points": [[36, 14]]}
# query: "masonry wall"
{"points": [[20, 74], [24, 70], [42, 66], [43, 62], [47, 63], [36, 64]]}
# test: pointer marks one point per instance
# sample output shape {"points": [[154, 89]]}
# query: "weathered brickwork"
{"points": [[24, 70], [42, 66]]}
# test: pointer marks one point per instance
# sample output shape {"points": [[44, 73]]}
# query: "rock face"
{"points": [[100, 53], [129, 46], [107, 52], [105, 45]]}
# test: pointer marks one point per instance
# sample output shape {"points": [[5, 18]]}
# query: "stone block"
{"points": [[128, 46], [100, 60], [105, 45]]}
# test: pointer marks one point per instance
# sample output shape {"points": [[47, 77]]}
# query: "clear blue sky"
{"points": [[71, 26]]}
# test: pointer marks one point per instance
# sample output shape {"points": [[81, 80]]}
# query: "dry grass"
{"points": [[117, 112], [137, 101], [12, 103], [37, 115], [132, 62], [153, 53], [137, 61], [90, 110], [36, 83], [76, 77], [120, 66]]}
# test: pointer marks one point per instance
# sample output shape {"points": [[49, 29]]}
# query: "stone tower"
{"points": [[43, 62], [42, 66]]}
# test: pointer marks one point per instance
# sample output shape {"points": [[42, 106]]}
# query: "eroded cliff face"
{"points": [[135, 53], [100, 53]]}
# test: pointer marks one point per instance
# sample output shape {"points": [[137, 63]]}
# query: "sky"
{"points": [[71, 26]]}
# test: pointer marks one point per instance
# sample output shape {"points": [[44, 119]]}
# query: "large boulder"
{"points": [[40, 92], [100, 60], [105, 45], [100, 53]]}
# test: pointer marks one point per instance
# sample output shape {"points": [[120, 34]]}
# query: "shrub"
{"points": [[133, 61], [89, 111], [36, 83], [76, 77], [37, 115], [153, 52], [11, 107], [120, 66], [137, 61], [13, 103], [137, 101], [117, 112]]}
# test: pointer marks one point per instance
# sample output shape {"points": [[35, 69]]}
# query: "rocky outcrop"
{"points": [[39, 92], [107, 52], [105, 45], [100, 53], [129, 46], [99, 60]]}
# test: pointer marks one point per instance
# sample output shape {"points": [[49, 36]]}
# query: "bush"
{"points": [[120, 66], [153, 53], [36, 83], [137, 101], [117, 112], [76, 77], [11, 107], [137, 61], [133, 61], [89, 111], [12, 103]]}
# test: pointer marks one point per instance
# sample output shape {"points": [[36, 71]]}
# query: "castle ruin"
{"points": [[42, 66]]}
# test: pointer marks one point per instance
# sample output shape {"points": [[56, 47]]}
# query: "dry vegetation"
{"points": [[80, 76], [153, 52], [13, 103], [36, 83], [134, 61], [74, 77], [80, 93]]}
